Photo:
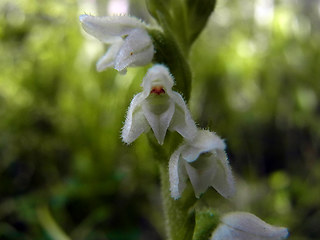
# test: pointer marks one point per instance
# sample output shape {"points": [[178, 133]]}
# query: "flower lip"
{"points": [[158, 89]]}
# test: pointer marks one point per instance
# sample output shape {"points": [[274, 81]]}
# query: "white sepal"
{"points": [[111, 28], [135, 123], [177, 174], [204, 162], [246, 226]]}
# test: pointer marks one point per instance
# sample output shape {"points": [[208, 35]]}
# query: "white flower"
{"points": [[159, 108], [130, 43], [205, 162], [246, 226]]}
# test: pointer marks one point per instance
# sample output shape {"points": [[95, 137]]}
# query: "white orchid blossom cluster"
{"points": [[201, 157]]}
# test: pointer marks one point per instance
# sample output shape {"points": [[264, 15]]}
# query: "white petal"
{"points": [[158, 75], [246, 226], [204, 141], [107, 29], [177, 174], [223, 180], [107, 60], [201, 173], [211, 169], [158, 111], [137, 50], [136, 122], [182, 121]]}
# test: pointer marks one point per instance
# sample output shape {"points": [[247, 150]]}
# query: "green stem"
{"points": [[50, 225], [169, 54], [179, 214]]}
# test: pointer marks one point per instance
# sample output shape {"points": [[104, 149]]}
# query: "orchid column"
{"points": [[190, 159]]}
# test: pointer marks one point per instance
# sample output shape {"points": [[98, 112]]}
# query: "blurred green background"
{"points": [[65, 173]]}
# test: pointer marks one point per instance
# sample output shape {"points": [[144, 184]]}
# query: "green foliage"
{"points": [[184, 20], [198, 12], [206, 222]]}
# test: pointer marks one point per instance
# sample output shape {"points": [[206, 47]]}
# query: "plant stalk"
{"points": [[179, 214]]}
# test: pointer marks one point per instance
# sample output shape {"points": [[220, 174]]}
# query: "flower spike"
{"points": [[159, 108], [204, 161], [130, 43]]}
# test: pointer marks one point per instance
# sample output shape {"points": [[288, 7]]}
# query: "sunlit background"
{"points": [[65, 173]]}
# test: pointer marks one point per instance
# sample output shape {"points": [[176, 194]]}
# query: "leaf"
{"points": [[206, 221], [198, 12]]}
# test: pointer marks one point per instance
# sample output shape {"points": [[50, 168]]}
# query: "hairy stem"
{"points": [[179, 214]]}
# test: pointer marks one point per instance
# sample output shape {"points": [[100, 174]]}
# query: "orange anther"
{"points": [[158, 90]]}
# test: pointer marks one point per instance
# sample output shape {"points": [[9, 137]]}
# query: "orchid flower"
{"points": [[204, 161], [246, 226], [158, 107], [130, 43]]}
